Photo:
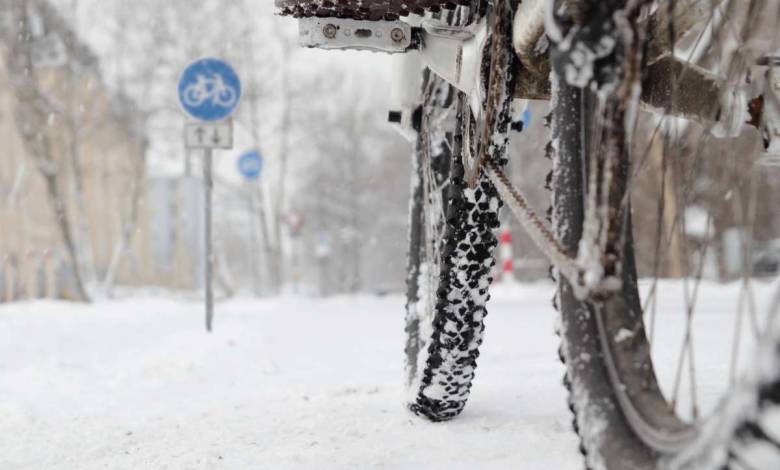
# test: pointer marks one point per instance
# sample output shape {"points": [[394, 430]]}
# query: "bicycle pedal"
{"points": [[336, 33]]}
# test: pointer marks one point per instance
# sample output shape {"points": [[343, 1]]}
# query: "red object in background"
{"points": [[507, 266], [295, 223], [506, 255]]}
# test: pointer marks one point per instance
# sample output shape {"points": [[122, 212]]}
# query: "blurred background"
{"points": [[98, 193], [327, 214]]}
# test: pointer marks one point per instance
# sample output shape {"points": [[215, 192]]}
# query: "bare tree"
{"points": [[355, 181], [33, 111]]}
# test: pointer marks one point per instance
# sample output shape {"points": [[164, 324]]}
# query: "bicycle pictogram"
{"points": [[210, 88]]}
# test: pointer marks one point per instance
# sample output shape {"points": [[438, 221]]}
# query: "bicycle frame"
{"points": [[456, 55]]}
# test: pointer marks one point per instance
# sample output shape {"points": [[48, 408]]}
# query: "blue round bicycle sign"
{"points": [[209, 90], [250, 165]]}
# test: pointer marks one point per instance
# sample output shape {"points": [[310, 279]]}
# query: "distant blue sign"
{"points": [[209, 90], [250, 165], [526, 117]]}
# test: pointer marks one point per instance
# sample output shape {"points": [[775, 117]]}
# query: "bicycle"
{"points": [[209, 88], [596, 61]]}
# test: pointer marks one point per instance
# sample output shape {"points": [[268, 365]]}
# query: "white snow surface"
{"points": [[281, 383], [287, 383]]}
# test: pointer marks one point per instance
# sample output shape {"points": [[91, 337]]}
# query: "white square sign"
{"points": [[217, 135]]}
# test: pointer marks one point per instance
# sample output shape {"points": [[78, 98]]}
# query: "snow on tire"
{"points": [[449, 360]]}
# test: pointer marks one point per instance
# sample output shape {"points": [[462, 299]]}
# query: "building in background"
{"points": [[74, 197]]}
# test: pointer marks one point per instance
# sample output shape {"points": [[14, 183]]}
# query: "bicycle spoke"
{"points": [[652, 296], [736, 339], [650, 304], [747, 270], [687, 351], [690, 296]]}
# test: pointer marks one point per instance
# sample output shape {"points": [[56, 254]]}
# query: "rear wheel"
{"points": [[453, 215], [450, 261], [627, 413]]}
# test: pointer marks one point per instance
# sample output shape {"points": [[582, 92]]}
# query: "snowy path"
{"points": [[288, 383]]}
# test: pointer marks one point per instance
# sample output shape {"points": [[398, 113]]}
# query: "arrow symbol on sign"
{"points": [[215, 137]]}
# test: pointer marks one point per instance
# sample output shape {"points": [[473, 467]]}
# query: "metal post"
{"points": [[294, 265], [212, 129], [208, 185], [254, 244]]}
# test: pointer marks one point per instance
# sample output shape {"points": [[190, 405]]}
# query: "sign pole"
{"points": [[254, 243], [250, 165], [208, 182], [209, 92]]}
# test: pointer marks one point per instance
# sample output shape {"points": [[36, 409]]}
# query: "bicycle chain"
{"points": [[500, 72], [532, 223]]}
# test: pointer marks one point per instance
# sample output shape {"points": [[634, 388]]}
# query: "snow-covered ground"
{"points": [[284, 383]]}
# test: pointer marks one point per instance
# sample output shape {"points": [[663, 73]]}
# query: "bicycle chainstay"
{"points": [[363, 10]]}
